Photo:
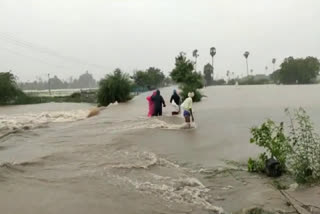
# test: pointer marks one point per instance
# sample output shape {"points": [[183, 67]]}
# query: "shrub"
{"points": [[271, 136], [185, 89], [304, 161], [114, 87], [298, 152], [257, 165], [219, 82], [9, 90], [189, 80]]}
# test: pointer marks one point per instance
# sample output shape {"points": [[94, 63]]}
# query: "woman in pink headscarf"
{"points": [[151, 104]]}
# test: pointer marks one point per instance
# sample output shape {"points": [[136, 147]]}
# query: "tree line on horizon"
{"points": [[297, 71], [85, 80], [292, 71]]}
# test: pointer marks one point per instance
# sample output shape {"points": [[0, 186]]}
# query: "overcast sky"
{"points": [[68, 37]]}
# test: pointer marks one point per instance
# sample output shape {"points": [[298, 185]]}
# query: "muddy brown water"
{"points": [[123, 162]]}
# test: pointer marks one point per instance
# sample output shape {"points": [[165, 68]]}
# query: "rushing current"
{"points": [[53, 159]]}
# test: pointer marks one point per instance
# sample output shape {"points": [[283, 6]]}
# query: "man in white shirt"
{"points": [[187, 107]]}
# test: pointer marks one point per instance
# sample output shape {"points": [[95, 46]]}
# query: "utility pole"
{"points": [[49, 87]]}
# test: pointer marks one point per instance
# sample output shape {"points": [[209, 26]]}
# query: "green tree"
{"points": [[184, 75], [213, 52], [151, 78], [274, 60], [167, 81], [9, 90], [155, 77], [86, 80], [208, 72], [141, 79], [56, 83], [299, 70], [275, 76], [114, 88], [246, 55]]}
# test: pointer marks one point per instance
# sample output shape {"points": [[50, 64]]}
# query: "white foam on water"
{"points": [[31, 120], [145, 123], [175, 187], [171, 126], [142, 160], [138, 160], [185, 190]]}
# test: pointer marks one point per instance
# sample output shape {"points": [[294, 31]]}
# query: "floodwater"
{"points": [[58, 161]]}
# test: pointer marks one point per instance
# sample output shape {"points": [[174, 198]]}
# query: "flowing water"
{"points": [[55, 160]]}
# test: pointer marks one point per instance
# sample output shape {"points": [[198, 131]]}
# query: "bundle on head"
{"points": [[191, 94]]}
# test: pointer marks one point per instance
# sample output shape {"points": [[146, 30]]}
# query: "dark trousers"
{"points": [[157, 112]]}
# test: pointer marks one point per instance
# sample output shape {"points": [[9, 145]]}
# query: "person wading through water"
{"points": [[187, 107], [158, 102], [151, 104], [176, 98]]}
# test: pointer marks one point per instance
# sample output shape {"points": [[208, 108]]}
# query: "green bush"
{"points": [[257, 165], [271, 137], [9, 90], [298, 152], [185, 89], [219, 82], [254, 80], [114, 88], [304, 161]]}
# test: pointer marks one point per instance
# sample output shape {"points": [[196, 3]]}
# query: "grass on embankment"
{"points": [[77, 97]]}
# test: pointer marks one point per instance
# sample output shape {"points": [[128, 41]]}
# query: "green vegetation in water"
{"points": [[114, 88], [271, 137], [186, 77], [298, 152], [257, 165]]}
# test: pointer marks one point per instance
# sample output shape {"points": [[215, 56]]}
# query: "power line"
{"points": [[47, 51], [33, 58]]}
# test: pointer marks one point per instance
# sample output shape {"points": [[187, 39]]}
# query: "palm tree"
{"points": [[274, 62], [213, 52], [246, 55], [251, 72], [195, 55], [228, 74]]}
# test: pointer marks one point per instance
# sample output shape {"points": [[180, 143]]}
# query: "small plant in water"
{"points": [[257, 165], [270, 136]]}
